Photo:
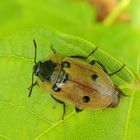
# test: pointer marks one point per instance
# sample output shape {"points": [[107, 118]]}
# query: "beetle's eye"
{"points": [[37, 71], [86, 99], [36, 68], [94, 77]]}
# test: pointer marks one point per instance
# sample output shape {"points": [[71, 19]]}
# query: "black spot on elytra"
{"points": [[86, 99], [94, 77]]}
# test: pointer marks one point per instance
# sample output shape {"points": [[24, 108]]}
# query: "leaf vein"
{"points": [[128, 116], [17, 57], [54, 125], [26, 109], [5, 137]]}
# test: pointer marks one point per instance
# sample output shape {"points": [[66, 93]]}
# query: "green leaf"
{"points": [[39, 117]]}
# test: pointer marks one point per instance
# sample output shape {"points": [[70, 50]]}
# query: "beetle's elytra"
{"points": [[71, 80]]}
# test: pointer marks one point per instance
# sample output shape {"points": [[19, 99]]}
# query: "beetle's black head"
{"points": [[44, 70]]}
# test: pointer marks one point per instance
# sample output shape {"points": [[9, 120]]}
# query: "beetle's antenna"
{"points": [[35, 45], [33, 83]]}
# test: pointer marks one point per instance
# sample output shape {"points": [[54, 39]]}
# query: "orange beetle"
{"points": [[71, 80]]}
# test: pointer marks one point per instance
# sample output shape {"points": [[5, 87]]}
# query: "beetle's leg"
{"points": [[31, 88], [78, 110], [117, 70], [84, 57], [101, 65], [77, 56], [64, 106], [64, 110], [34, 84], [104, 68], [53, 50]]}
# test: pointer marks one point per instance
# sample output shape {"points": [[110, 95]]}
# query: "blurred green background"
{"points": [[118, 37]]}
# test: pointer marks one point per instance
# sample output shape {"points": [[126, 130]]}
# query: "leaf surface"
{"points": [[39, 117]]}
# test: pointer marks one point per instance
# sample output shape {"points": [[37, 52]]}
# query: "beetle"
{"points": [[71, 80]]}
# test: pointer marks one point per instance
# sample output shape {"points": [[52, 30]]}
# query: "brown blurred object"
{"points": [[105, 7]]}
